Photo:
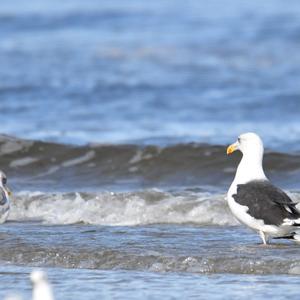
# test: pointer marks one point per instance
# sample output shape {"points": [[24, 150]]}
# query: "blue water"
{"points": [[91, 284], [152, 71], [155, 73]]}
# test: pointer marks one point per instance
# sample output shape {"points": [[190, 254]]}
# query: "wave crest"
{"points": [[122, 209], [39, 165]]}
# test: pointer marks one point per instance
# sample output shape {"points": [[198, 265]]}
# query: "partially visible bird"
{"points": [[5, 194], [254, 201], [42, 289]]}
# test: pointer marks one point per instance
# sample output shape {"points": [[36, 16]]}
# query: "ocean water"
{"points": [[129, 71], [115, 118]]}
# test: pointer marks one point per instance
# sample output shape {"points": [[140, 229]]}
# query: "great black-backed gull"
{"points": [[254, 201], [4, 198]]}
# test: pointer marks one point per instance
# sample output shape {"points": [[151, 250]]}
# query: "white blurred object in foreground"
{"points": [[41, 287]]}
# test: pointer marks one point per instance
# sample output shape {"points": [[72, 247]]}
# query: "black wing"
{"points": [[266, 202]]}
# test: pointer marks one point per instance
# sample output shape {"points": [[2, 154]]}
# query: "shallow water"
{"points": [[155, 248], [121, 113], [148, 285], [86, 262]]}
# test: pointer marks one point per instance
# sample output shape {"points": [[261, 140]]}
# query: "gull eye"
{"points": [[4, 180]]}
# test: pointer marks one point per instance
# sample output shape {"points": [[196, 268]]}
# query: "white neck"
{"points": [[250, 168]]}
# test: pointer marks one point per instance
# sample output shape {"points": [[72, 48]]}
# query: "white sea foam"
{"points": [[22, 162], [139, 156], [126, 209], [79, 160], [11, 145]]}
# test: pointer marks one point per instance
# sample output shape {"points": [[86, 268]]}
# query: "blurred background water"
{"points": [[151, 71], [130, 105]]}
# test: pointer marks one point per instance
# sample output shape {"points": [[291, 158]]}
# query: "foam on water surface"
{"points": [[122, 209]]}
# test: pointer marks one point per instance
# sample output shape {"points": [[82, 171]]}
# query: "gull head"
{"points": [[249, 144], [3, 184], [38, 276]]}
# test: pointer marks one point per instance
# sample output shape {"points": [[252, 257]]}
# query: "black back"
{"points": [[266, 202]]}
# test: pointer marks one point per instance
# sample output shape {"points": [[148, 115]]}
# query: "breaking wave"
{"points": [[122, 209]]}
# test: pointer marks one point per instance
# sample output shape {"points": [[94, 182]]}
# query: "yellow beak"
{"points": [[9, 192], [233, 147]]}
